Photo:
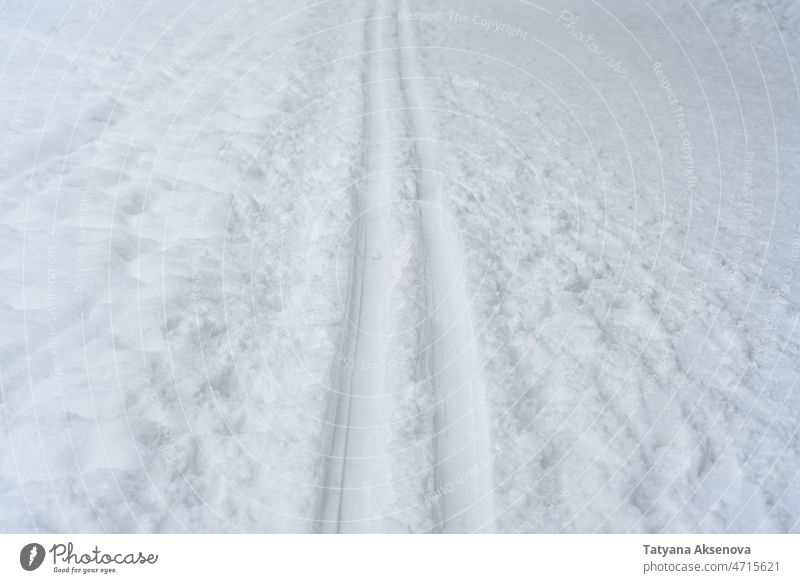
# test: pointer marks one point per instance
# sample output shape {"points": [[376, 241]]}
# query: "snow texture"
{"points": [[399, 266]]}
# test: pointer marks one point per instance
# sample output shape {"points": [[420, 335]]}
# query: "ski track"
{"points": [[463, 474], [357, 487]]}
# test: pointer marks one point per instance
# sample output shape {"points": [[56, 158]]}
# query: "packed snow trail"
{"points": [[357, 491], [357, 488], [463, 473]]}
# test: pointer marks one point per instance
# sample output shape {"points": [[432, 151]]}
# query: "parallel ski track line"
{"points": [[357, 483], [463, 471]]}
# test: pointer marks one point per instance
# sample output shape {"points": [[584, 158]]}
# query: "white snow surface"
{"points": [[399, 266]]}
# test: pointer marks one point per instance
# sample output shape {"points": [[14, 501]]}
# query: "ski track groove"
{"points": [[463, 471], [356, 493], [357, 485]]}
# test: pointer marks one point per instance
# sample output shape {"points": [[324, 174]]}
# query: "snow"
{"points": [[571, 231], [358, 488]]}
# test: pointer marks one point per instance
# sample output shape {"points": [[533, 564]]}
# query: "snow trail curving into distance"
{"points": [[463, 473]]}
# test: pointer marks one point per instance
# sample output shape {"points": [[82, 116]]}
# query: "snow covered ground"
{"points": [[399, 266]]}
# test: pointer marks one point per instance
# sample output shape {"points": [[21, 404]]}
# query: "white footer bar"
{"points": [[402, 558]]}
